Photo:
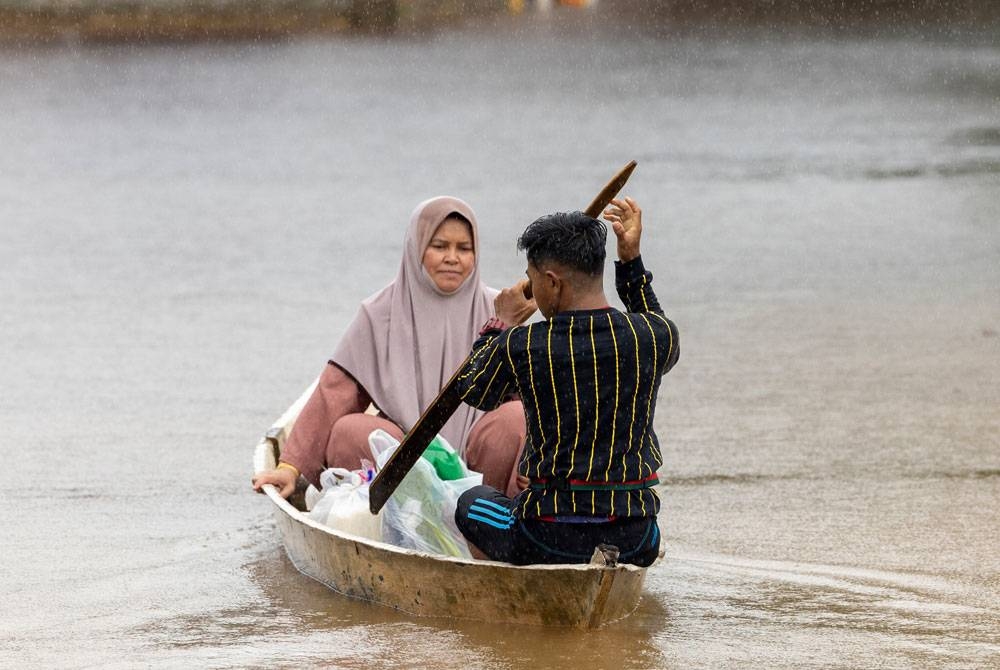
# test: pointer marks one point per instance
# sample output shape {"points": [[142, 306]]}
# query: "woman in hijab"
{"points": [[402, 347]]}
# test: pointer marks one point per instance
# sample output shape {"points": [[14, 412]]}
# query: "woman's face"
{"points": [[450, 256]]}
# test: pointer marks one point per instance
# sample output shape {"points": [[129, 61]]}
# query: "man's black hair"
{"points": [[572, 239]]}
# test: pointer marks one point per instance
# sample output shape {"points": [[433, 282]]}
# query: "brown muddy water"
{"points": [[186, 231]]}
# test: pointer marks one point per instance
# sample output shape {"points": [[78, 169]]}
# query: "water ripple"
{"points": [[978, 137]]}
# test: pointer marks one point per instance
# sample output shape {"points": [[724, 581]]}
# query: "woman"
{"points": [[397, 354]]}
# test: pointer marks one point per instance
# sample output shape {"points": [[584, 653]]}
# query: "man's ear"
{"points": [[554, 278]]}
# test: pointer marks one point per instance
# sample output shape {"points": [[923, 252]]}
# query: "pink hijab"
{"points": [[409, 338]]}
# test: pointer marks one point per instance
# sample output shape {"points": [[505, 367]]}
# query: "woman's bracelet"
{"points": [[288, 466]]}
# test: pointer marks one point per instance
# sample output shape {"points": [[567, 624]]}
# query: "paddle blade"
{"points": [[610, 191]]}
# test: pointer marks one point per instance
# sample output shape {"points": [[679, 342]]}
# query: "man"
{"points": [[588, 377]]}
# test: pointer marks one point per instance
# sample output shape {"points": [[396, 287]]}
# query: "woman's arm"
{"points": [[336, 395]]}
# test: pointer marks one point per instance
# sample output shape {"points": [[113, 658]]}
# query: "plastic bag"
{"points": [[420, 514], [343, 504], [446, 462], [381, 442], [439, 453]]}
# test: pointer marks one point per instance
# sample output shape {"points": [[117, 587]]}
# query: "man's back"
{"points": [[588, 377], [588, 380]]}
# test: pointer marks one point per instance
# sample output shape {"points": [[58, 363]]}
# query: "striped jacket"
{"points": [[588, 380]]}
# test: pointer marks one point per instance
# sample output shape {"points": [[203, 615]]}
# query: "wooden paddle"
{"points": [[448, 400]]}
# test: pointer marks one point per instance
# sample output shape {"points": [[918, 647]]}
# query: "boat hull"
{"points": [[437, 586]]}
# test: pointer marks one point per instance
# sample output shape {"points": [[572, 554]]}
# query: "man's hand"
{"points": [[283, 478], [515, 305], [626, 220]]}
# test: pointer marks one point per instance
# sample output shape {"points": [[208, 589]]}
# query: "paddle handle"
{"points": [[448, 400]]}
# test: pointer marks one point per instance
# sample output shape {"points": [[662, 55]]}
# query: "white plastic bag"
{"points": [[381, 442], [420, 514], [343, 504]]}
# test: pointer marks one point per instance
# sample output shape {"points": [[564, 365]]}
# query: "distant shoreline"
{"points": [[55, 21], [159, 25], [204, 20]]}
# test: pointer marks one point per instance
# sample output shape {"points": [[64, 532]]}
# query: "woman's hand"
{"points": [[283, 478], [626, 220], [515, 305]]}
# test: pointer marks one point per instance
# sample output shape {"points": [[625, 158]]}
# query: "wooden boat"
{"points": [[423, 584]]}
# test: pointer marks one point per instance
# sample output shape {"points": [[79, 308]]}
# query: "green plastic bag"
{"points": [[446, 462]]}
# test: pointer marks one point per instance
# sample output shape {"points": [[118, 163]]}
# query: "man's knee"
{"points": [[474, 501]]}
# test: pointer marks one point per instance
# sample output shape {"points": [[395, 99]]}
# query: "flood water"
{"points": [[186, 231]]}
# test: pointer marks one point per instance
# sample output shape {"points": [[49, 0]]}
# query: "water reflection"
{"points": [[296, 606], [769, 604]]}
